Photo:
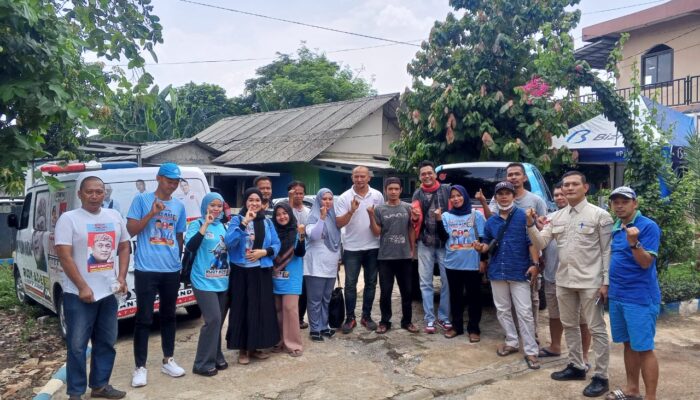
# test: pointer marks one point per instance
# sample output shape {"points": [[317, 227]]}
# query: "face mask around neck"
{"points": [[505, 208]]}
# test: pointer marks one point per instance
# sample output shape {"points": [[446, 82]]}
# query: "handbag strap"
{"points": [[502, 231]]}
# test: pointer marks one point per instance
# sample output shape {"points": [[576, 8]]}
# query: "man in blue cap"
{"points": [[157, 268], [634, 293]]}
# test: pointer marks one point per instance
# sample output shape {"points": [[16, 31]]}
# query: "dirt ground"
{"points": [[400, 365]]}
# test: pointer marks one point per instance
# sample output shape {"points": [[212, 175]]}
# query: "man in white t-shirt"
{"points": [[90, 241], [360, 245]]}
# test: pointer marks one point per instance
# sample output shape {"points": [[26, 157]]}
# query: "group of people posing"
{"points": [[268, 265]]}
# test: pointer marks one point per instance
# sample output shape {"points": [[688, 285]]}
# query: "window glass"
{"points": [[664, 64], [41, 220], [26, 207]]}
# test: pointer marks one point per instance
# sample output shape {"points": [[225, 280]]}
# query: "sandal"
{"points": [[544, 352], [532, 362], [382, 328], [278, 348], [411, 328], [296, 353], [474, 338], [260, 355], [450, 333], [243, 358], [618, 394], [504, 350]]}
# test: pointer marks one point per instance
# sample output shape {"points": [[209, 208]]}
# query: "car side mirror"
{"points": [[12, 221]]}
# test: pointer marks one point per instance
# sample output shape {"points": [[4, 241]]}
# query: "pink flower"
{"points": [[535, 89]]}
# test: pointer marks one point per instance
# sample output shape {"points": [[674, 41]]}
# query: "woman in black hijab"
{"points": [[252, 246]]}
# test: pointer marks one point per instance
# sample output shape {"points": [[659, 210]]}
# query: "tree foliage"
{"points": [[171, 113], [44, 80], [479, 92], [307, 79]]}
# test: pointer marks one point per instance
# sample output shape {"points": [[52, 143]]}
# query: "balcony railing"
{"points": [[678, 92]]}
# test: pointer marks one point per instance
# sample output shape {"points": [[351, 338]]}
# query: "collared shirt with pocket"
{"points": [[583, 237]]}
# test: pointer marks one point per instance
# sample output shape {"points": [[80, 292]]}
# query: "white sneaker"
{"points": [[139, 377], [171, 368]]}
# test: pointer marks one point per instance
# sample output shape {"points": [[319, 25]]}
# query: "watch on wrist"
{"points": [[637, 245]]}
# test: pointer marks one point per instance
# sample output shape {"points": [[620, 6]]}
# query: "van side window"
{"points": [[41, 221], [26, 207]]}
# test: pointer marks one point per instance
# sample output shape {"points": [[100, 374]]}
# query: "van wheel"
{"points": [[19, 289], [61, 314], [193, 311]]}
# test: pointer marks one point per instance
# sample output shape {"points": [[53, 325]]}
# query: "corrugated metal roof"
{"points": [[294, 135], [151, 149]]}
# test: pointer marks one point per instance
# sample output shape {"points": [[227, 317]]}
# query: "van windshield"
{"points": [[473, 179], [119, 195]]}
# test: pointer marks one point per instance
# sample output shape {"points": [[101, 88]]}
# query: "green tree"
{"points": [[307, 79], [171, 113], [478, 92], [44, 80]]}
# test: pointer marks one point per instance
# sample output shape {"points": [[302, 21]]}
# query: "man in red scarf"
{"points": [[430, 198]]}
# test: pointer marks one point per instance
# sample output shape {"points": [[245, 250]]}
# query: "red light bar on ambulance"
{"points": [[88, 166]]}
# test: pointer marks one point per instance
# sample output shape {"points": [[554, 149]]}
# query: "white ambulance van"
{"points": [[37, 270]]}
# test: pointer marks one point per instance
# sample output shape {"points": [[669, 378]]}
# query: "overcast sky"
{"points": [[194, 33]]}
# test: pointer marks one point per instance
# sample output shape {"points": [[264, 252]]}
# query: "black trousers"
{"points": [[302, 301], [459, 281], [401, 270], [146, 286]]}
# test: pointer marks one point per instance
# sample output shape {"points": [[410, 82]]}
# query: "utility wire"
{"points": [[623, 7], [325, 28]]}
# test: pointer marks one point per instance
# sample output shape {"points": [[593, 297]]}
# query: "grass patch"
{"points": [[8, 299]]}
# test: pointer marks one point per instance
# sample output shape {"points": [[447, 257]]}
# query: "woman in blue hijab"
{"points": [[321, 263], [459, 228], [210, 271]]}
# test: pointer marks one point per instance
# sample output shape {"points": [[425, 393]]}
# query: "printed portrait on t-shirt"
{"points": [[251, 238], [218, 265], [101, 247], [460, 235], [162, 230], [38, 250]]}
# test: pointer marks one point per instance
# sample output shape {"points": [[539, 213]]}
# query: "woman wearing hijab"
{"points": [[209, 277], [460, 228], [287, 274], [321, 263], [252, 245]]}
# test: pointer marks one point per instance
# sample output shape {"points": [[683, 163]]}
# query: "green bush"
{"points": [[679, 282], [7, 289]]}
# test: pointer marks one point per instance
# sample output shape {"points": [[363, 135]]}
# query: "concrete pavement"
{"points": [[400, 365]]}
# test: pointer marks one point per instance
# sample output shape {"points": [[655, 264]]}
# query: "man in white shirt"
{"points": [[360, 245], [88, 240]]}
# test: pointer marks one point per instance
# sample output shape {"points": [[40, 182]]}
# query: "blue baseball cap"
{"points": [[170, 170]]}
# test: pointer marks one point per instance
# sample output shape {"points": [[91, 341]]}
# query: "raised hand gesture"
{"points": [[354, 205], [531, 216], [208, 219], [157, 207], [370, 211], [301, 230], [480, 196], [415, 213], [632, 234], [324, 212], [438, 214], [249, 216]]}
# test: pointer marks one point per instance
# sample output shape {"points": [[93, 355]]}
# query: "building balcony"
{"points": [[676, 93]]}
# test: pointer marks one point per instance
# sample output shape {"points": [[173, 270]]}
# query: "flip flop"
{"points": [[474, 338], [504, 350], [260, 355], [544, 352], [618, 394], [532, 364]]}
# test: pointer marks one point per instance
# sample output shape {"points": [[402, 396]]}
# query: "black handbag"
{"points": [[336, 307], [188, 260]]}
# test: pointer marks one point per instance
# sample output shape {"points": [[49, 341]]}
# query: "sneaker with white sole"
{"points": [[139, 377], [171, 368]]}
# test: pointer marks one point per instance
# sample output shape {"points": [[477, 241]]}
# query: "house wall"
{"points": [[685, 58], [188, 154], [364, 138], [391, 134]]}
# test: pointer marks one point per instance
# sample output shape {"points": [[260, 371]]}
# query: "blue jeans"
{"points": [[353, 261], [426, 261], [89, 321]]}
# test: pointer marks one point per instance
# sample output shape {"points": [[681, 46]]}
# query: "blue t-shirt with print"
{"points": [[629, 282], [156, 247], [210, 269], [463, 231]]}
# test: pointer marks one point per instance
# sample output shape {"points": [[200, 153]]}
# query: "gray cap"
{"points": [[504, 185], [624, 191]]}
